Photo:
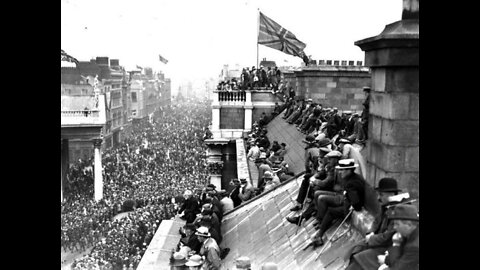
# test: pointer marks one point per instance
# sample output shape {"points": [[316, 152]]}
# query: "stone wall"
{"points": [[257, 112], [232, 118], [331, 86]]}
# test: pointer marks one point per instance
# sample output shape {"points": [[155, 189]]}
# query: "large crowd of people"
{"points": [[162, 157], [160, 171], [268, 78]]}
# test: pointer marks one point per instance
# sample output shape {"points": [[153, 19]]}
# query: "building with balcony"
{"points": [[110, 79], [82, 119]]}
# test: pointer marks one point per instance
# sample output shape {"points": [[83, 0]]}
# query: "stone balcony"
{"points": [[83, 111], [240, 98]]}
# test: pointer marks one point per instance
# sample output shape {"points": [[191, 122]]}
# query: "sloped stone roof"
{"points": [[260, 231], [281, 131]]}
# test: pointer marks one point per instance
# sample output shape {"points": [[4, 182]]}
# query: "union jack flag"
{"points": [[163, 60], [68, 58], [273, 35]]}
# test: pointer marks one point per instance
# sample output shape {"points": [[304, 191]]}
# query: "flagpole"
{"points": [[258, 31]]}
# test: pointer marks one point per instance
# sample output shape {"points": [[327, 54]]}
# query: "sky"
{"points": [[199, 37]]}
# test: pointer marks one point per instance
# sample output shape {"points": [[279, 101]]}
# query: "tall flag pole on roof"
{"points": [[273, 35], [258, 32]]}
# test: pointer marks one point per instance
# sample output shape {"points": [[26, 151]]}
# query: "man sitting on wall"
{"points": [[376, 243]]}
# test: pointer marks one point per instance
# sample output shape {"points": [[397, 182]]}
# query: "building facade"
{"points": [[110, 78]]}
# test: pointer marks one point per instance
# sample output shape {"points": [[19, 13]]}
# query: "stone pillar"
{"points": [[215, 118], [393, 123], [64, 164], [248, 111], [98, 182], [61, 184]]}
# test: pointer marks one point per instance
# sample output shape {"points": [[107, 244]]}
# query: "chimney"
{"points": [[102, 61], [114, 62], [410, 10]]}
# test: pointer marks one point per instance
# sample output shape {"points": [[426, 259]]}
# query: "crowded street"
{"points": [[157, 162]]}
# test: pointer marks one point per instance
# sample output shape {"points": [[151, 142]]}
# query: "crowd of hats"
{"points": [[312, 118], [155, 163], [271, 157], [268, 78], [212, 208]]}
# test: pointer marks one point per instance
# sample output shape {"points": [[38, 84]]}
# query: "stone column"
{"points": [[215, 117], [64, 163], [393, 123], [98, 183], [248, 111]]}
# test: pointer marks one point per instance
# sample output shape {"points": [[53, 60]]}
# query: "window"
{"points": [[134, 96]]}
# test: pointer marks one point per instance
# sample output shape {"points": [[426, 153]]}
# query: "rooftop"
{"points": [[259, 230]]}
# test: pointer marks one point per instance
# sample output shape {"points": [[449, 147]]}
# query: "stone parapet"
{"points": [[242, 163], [157, 256]]}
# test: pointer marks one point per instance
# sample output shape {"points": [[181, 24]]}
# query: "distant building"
{"points": [[111, 79], [228, 74], [265, 63], [149, 91]]}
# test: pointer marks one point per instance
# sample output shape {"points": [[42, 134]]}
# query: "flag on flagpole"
{"points": [[163, 60], [273, 35], [66, 57], [139, 67]]}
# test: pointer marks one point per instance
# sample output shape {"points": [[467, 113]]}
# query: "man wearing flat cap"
{"points": [[246, 191], [312, 153], [190, 240], [404, 252], [366, 111], [376, 243]]}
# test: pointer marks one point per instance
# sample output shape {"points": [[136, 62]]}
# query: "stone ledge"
{"points": [[160, 248]]}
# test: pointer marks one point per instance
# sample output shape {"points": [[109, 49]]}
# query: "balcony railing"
{"points": [[81, 113], [232, 96], [87, 117]]}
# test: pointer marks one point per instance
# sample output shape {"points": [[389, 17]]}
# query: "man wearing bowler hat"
{"points": [[376, 243]]}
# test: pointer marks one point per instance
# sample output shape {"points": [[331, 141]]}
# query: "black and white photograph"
{"points": [[240, 134]]}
